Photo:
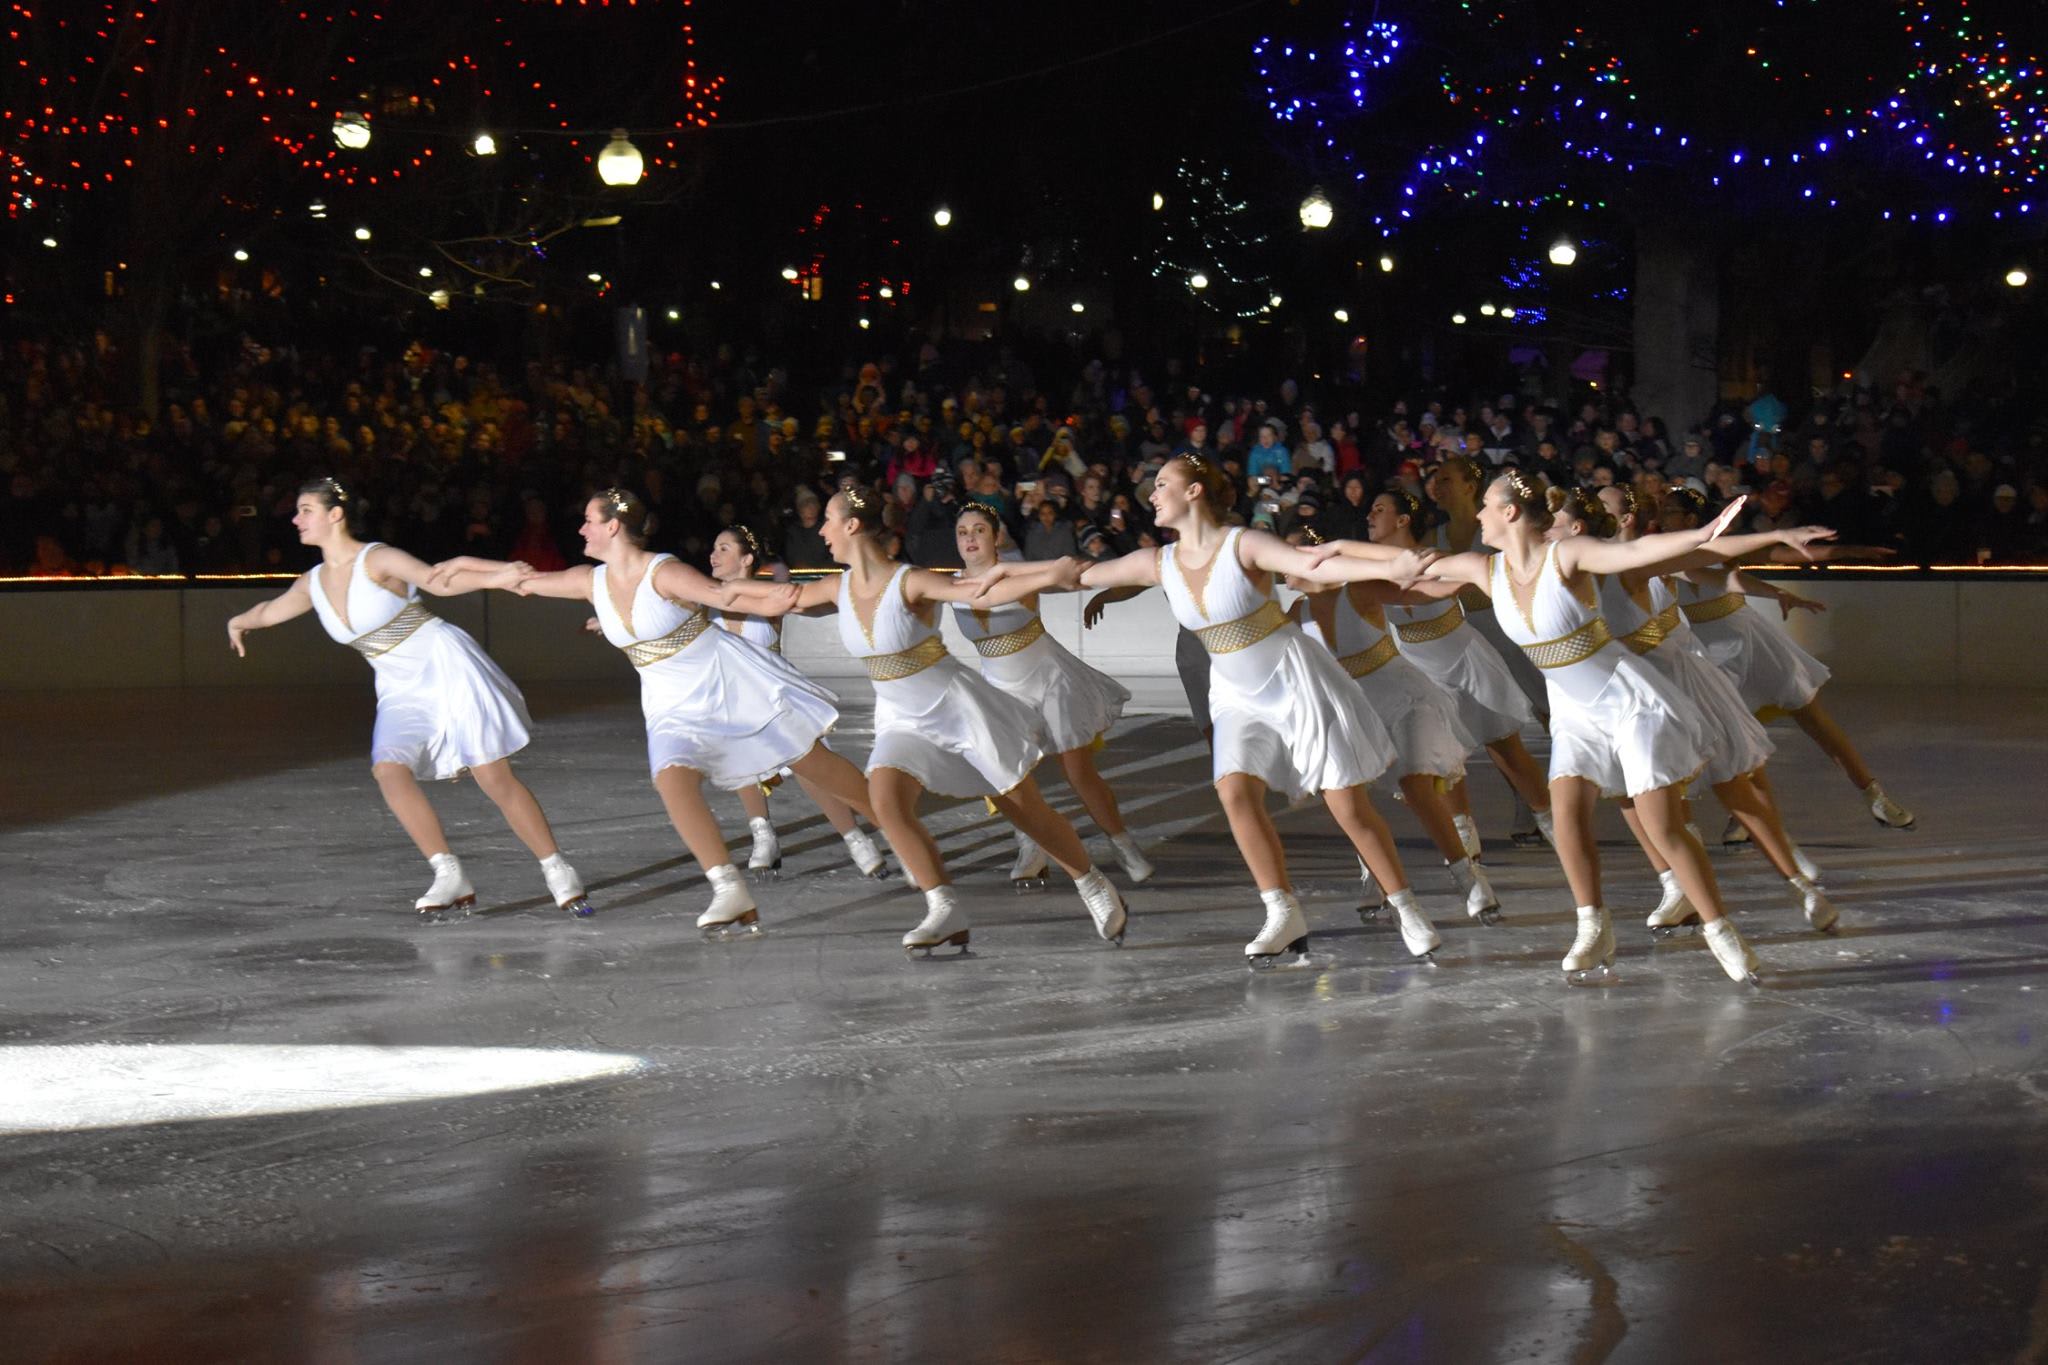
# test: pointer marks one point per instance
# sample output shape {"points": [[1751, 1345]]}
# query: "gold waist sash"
{"points": [[1654, 631], [1567, 650], [1714, 608], [1435, 628], [904, 663], [1227, 637], [1025, 636], [645, 652], [392, 633], [1378, 655]]}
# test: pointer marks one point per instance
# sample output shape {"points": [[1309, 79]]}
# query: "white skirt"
{"points": [[1077, 704], [1422, 719], [955, 732], [1491, 704], [1288, 714], [444, 705], [731, 711], [1528, 677], [1740, 744], [1771, 671], [1639, 733]]}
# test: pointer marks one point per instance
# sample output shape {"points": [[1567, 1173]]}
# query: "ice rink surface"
{"points": [[809, 1148]]}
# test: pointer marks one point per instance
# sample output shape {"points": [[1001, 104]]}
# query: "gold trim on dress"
{"points": [[906, 662], [1435, 628], [1566, 650], [1714, 608], [392, 633], [1011, 642], [1227, 637], [1375, 656], [1654, 631], [645, 652]]}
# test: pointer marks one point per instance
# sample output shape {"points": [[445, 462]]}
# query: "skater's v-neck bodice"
{"points": [[1569, 640], [654, 629], [1362, 642], [370, 608], [894, 627], [1230, 612]]}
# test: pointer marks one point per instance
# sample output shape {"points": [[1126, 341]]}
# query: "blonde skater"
{"points": [[442, 705], [736, 554]]}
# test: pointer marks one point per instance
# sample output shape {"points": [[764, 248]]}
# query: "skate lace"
{"points": [[1276, 919], [1589, 935], [1101, 902]]}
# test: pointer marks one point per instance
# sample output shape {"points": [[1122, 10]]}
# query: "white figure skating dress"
{"points": [[1479, 614], [1615, 720], [765, 631], [714, 703], [1771, 671], [1284, 712], [1421, 716], [442, 704], [1439, 639], [935, 718], [1076, 703], [1662, 636]]}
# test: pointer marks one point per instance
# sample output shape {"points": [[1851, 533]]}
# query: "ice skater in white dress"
{"points": [[736, 554], [939, 727], [719, 710], [1286, 717], [1642, 612], [1776, 677], [442, 705], [1077, 704], [1618, 725]]}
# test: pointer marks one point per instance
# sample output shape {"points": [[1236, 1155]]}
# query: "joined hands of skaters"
{"points": [[488, 575]]}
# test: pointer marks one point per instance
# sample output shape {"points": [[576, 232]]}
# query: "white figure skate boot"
{"points": [[451, 890], [1733, 833], [1417, 933], [1468, 835], [1136, 865], [944, 924], [1592, 955], [1732, 953], [565, 886], [865, 855], [1808, 868], [1526, 827], [1105, 906], [1886, 811], [1674, 910], [1820, 911], [1285, 932], [1029, 869], [1547, 827], [767, 855], [1480, 901], [1375, 900], [731, 912]]}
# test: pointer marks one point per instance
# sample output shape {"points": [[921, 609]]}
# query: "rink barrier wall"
{"points": [[1929, 629]]}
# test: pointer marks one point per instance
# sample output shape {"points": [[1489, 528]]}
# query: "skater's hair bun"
{"points": [[864, 504], [1406, 504], [329, 493], [1526, 496], [1631, 505], [1216, 489], [1464, 466], [749, 542], [616, 504], [982, 510], [1583, 505]]}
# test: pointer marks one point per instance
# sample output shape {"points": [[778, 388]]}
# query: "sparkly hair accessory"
{"points": [[334, 487], [860, 502], [746, 536], [1311, 536], [1525, 489], [1198, 466], [1411, 504]]}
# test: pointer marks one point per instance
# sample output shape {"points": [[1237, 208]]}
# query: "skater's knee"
{"points": [[390, 774]]}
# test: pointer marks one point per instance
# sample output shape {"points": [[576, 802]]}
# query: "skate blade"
{"points": [[1600, 975], [1294, 954], [461, 908], [1370, 914], [746, 925], [772, 871], [1664, 931], [1034, 882], [1116, 940], [1490, 916], [923, 951], [580, 907], [1527, 838], [878, 872]]}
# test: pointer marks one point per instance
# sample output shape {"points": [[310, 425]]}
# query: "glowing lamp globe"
{"points": [[1563, 251], [483, 144], [351, 132], [1316, 211], [942, 216], [2017, 277], [619, 164]]}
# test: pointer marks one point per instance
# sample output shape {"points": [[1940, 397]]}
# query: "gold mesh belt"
{"points": [[645, 652], [1435, 628], [392, 633], [1654, 631], [1714, 608], [1366, 660], [1567, 650], [996, 646], [904, 663], [1230, 636]]}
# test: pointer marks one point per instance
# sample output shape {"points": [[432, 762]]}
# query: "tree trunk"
{"points": [[1677, 325], [141, 339]]}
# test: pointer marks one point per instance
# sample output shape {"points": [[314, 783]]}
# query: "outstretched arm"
{"points": [[817, 597], [1465, 570], [1091, 611], [1011, 582], [296, 600], [1264, 550], [1787, 600], [572, 583], [468, 573], [1794, 540], [1583, 554]]}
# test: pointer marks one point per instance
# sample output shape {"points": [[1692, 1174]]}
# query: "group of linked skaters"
{"points": [[1647, 668]]}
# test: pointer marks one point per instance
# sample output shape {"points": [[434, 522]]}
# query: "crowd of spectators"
{"points": [[445, 455]]}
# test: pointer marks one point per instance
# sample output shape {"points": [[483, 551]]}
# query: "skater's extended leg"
{"points": [[837, 813], [895, 794], [682, 795], [515, 799], [1024, 806], [1258, 843], [823, 769], [1096, 797], [1824, 730], [403, 795]]}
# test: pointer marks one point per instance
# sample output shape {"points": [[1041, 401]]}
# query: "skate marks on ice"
{"points": [[71, 1087]]}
